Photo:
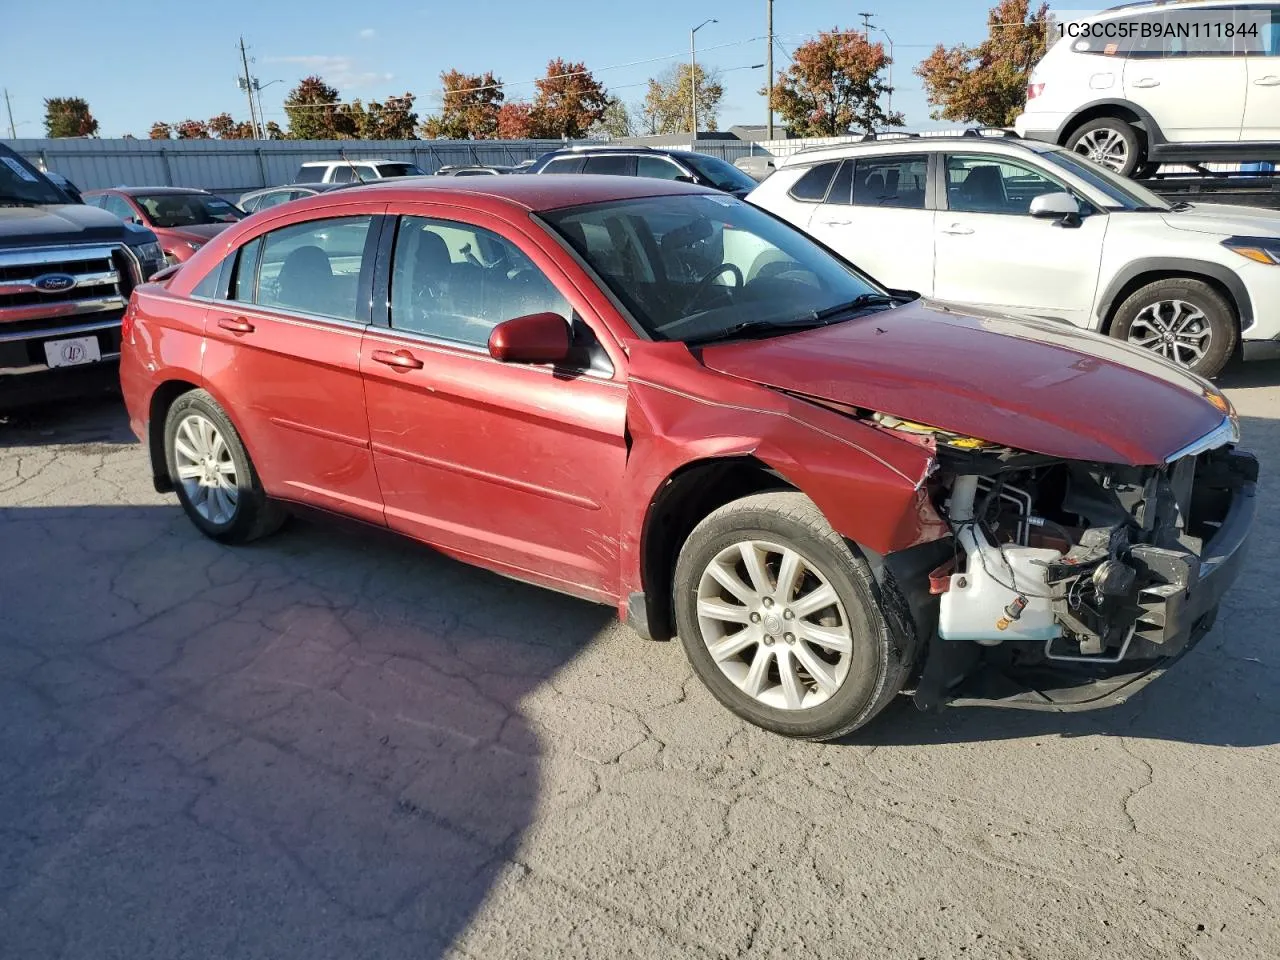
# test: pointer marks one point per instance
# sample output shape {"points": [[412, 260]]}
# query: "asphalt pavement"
{"points": [[337, 744]]}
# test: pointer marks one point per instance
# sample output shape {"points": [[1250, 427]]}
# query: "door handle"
{"points": [[400, 359], [1268, 82], [836, 223], [238, 325], [956, 230], [1146, 82]]}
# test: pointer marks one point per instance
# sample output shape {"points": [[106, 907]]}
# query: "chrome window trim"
{"points": [[1228, 431]]}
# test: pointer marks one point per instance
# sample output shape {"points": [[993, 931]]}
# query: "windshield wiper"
{"points": [[1180, 206], [815, 318], [19, 202], [857, 303]]}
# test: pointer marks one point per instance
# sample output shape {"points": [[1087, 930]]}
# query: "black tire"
{"points": [[1135, 152], [254, 515], [883, 646], [1220, 319], [1144, 170]]}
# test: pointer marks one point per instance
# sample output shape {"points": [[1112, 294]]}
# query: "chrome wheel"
{"points": [[1177, 330], [1105, 146], [774, 625], [206, 469]]}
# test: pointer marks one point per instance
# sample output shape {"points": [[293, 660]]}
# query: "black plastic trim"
{"points": [[1216, 271]]}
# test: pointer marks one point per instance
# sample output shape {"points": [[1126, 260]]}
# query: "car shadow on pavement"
{"points": [[97, 420], [309, 747]]}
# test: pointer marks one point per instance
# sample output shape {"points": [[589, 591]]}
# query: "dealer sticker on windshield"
{"points": [[19, 169]]}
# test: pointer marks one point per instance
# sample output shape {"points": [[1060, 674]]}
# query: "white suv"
{"points": [[1148, 83], [1029, 228], [354, 171]]}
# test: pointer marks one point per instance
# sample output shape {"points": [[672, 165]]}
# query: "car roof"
{"points": [[533, 193], [342, 160], [148, 191], [927, 142]]}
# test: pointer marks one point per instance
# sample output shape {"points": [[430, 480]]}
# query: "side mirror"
{"points": [[685, 178], [1062, 207], [535, 338]]}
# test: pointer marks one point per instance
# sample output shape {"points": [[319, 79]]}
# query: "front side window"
{"points": [[896, 181], [342, 174], [812, 187], [978, 184], [652, 255], [720, 173], [612, 166], [311, 268], [454, 281], [657, 168], [119, 207], [398, 170], [311, 174], [186, 209]]}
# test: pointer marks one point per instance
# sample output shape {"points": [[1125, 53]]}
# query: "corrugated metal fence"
{"points": [[233, 167]]}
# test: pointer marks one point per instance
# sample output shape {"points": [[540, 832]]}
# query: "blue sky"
{"points": [[175, 61]]}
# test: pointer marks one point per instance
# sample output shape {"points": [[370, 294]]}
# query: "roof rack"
{"points": [[882, 135], [584, 147]]}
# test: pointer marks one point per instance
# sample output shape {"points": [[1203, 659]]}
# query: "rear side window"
{"points": [[310, 175], [564, 165], [842, 186], [612, 166], [315, 268], [896, 181], [342, 174], [812, 187]]}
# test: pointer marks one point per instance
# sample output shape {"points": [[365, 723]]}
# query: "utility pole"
{"points": [[866, 26], [13, 131], [248, 89], [693, 82], [768, 85]]}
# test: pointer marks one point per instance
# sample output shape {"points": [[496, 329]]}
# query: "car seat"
{"points": [[306, 281]]}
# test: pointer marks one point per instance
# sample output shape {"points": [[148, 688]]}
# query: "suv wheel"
{"points": [[782, 620], [216, 482], [1111, 142], [1185, 321]]}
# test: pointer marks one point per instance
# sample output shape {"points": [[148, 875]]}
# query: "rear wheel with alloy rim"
{"points": [[783, 620], [211, 471], [1185, 321], [1111, 142]]}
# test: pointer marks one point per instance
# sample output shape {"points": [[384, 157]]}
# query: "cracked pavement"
{"points": [[335, 743]]}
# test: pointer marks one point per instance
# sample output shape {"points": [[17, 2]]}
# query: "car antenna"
{"points": [[351, 165]]}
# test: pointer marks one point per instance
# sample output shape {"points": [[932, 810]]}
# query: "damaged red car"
{"points": [[656, 396]]}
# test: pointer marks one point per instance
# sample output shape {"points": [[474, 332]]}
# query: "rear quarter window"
{"points": [[812, 187]]}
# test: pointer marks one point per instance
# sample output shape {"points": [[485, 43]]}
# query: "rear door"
{"points": [[1194, 85], [875, 214], [991, 252], [282, 355]]}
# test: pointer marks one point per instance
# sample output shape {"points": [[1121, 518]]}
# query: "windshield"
{"points": [[187, 209], [1123, 192], [721, 174], [696, 266], [21, 183], [399, 170]]}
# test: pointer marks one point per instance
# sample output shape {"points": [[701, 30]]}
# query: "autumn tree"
{"points": [[224, 128], [515, 121], [68, 117], [391, 120], [470, 107], [192, 130], [568, 101], [618, 120], [161, 131], [834, 85], [987, 84], [313, 113], [273, 131], [667, 107]]}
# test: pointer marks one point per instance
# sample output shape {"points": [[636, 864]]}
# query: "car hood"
{"points": [[62, 223], [196, 233], [1039, 386], [1225, 220]]}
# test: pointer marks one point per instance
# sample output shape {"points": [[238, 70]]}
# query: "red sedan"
{"points": [[659, 397], [182, 219]]}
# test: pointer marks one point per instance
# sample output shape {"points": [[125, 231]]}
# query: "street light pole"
{"points": [[890, 39], [768, 84], [693, 80]]}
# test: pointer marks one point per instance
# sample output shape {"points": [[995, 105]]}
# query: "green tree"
{"points": [[312, 109], [833, 86], [469, 108], [68, 117], [619, 120], [667, 107], [987, 84], [392, 120]]}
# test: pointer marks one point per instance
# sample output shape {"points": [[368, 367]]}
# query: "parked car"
{"points": [[1146, 83], [273, 196], [472, 170], [758, 168], [661, 398], [66, 271], [183, 220], [647, 162], [1026, 227], [358, 171]]}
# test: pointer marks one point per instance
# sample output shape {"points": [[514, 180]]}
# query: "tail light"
{"points": [[1034, 90]]}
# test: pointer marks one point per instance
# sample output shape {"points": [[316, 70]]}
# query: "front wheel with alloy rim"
{"points": [[1185, 321], [215, 480], [784, 621], [1110, 142]]}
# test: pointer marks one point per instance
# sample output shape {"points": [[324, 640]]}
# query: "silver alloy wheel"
{"points": [[774, 625], [1104, 146], [1177, 330], [205, 468]]}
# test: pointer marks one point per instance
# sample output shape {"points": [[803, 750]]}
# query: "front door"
{"points": [[875, 216], [991, 252], [282, 355], [519, 466]]}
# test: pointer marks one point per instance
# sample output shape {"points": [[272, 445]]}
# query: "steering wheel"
{"points": [[705, 283]]}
